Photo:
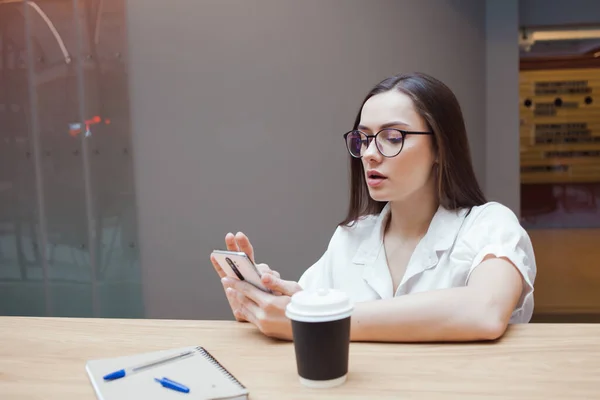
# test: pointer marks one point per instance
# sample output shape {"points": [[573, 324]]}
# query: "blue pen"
{"points": [[166, 382], [131, 370]]}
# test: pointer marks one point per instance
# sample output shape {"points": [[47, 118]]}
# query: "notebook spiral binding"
{"points": [[217, 364]]}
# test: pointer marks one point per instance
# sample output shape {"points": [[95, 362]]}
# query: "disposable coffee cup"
{"points": [[321, 333]]}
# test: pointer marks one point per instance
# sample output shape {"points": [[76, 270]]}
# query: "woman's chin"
{"points": [[378, 196]]}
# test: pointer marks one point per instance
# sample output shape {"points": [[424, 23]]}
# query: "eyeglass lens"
{"points": [[388, 141]]}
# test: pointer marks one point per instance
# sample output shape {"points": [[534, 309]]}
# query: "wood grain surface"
{"points": [[44, 358]]}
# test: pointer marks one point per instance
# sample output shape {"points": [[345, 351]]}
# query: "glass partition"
{"points": [[68, 234]]}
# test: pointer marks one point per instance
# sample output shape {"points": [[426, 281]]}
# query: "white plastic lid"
{"points": [[319, 305]]}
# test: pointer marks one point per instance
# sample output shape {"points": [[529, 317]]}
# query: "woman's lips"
{"points": [[375, 178]]}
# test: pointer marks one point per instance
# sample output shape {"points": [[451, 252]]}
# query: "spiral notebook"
{"points": [[204, 375]]}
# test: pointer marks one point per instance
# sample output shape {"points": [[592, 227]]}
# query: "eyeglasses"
{"points": [[389, 141]]}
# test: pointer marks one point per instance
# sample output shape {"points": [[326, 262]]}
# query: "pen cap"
{"points": [[170, 384], [115, 375], [319, 305]]}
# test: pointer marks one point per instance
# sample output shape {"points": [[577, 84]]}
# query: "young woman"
{"points": [[421, 253]]}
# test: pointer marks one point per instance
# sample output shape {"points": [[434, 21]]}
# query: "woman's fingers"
{"points": [[239, 242], [244, 245], [236, 306], [231, 243], [265, 269], [288, 288], [248, 291]]}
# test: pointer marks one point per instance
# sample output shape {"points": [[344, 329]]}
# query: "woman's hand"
{"points": [[266, 311], [239, 242]]}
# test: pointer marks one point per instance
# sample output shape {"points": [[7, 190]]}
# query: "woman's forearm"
{"points": [[456, 314]]}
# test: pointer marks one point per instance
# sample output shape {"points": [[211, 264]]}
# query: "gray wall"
{"points": [[502, 104], [238, 108]]}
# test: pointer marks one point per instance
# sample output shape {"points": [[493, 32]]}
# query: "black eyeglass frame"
{"points": [[374, 137]]}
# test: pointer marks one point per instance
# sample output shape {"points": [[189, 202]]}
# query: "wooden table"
{"points": [[44, 358]]}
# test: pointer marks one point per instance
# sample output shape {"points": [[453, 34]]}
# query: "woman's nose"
{"points": [[371, 152]]}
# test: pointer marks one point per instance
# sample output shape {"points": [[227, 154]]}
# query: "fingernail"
{"points": [[267, 278]]}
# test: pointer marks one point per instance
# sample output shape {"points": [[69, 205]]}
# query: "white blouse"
{"points": [[452, 248]]}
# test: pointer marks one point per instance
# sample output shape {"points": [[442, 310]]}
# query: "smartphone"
{"points": [[237, 264]]}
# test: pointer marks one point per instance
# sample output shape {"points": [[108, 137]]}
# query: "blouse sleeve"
{"points": [[315, 276], [319, 275], [497, 231]]}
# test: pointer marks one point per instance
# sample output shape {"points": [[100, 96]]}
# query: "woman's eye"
{"points": [[394, 139]]}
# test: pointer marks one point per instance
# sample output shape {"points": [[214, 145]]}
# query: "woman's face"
{"points": [[401, 177]]}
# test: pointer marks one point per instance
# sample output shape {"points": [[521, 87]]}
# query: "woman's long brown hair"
{"points": [[437, 105]]}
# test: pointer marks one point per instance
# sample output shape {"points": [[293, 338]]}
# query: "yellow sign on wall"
{"points": [[560, 125]]}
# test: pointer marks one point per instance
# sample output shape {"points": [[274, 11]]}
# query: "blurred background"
{"points": [[134, 134]]}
